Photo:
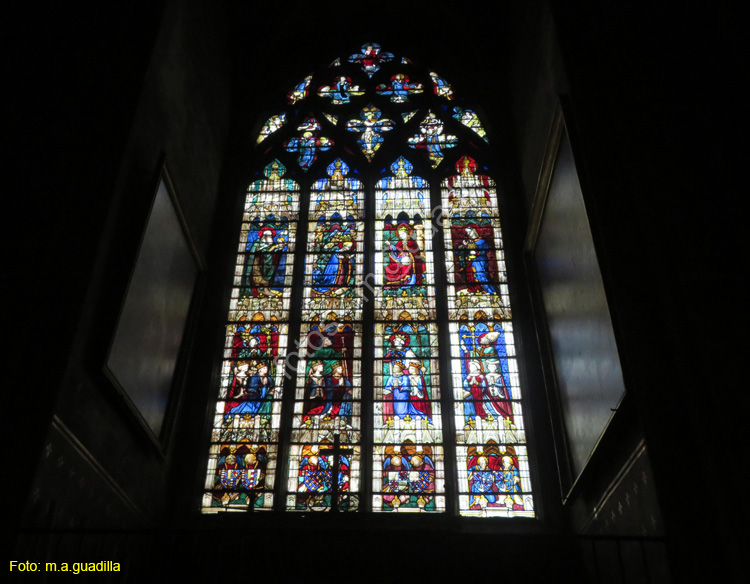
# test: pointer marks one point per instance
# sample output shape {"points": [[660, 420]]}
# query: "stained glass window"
{"points": [[378, 373]]}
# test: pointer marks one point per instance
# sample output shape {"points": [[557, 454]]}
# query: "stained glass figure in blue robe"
{"points": [[309, 143], [400, 88], [432, 139], [341, 91]]}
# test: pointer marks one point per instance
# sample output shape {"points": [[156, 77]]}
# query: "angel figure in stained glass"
{"points": [[241, 468], [432, 139], [309, 143], [272, 124], [371, 58], [508, 479], [314, 475], [254, 461], [493, 477], [395, 480], [400, 88], [408, 477], [370, 126], [482, 482], [227, 488]]}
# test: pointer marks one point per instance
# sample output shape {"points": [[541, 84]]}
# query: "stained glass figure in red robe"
{"points": [[418, 390], [371, 58], [405, 261], [484, 353]]}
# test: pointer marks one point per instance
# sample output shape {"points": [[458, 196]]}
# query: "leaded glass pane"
{"points": [[432, 140], [371, 58], [470, 119], [245, 436], [407, 461], [328, 400], [493, 475]]}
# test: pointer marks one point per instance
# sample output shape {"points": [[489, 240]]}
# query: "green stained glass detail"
{"points": [[408, 115], [272, 124], [470, 119]]}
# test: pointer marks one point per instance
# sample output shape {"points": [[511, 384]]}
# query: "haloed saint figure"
{"points": [[405, 265]]}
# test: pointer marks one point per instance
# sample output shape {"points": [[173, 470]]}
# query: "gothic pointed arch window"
{"points": [[369, 362]]}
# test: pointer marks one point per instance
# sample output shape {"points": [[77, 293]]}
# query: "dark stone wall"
{"points": [[651, 96], [155, 81]]}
